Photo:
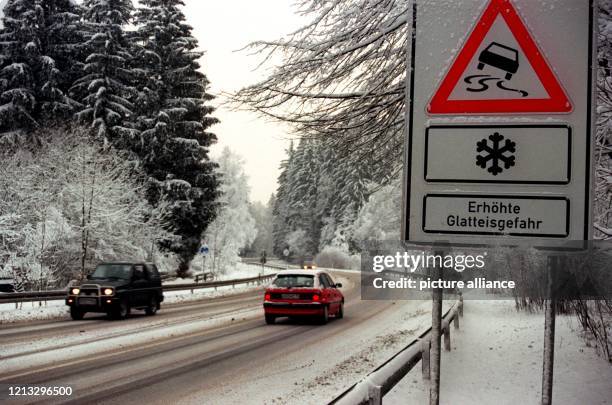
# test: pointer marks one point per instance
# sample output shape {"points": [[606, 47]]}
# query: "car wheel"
{"points": [[152, 308], [340, 313], [76, 314], [122, 311], [325, 317], [270, 319]]}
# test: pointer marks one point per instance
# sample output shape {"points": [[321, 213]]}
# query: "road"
{"points": [[217, 351]]}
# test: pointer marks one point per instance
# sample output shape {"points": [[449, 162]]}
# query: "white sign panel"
{"points": [[525, 154], [505, 124], [496, 215]]}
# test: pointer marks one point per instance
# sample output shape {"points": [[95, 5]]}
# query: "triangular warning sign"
{"points": [[499, 70]]}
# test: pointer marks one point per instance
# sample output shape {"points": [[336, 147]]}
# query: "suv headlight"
{"points": [[75, 291], [108, 291]]}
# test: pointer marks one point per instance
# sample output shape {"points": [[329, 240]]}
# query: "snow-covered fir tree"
{"points": [[174, 117], [318, 199], [63, 38], [280, 229], [106, 89], [38, 43]]}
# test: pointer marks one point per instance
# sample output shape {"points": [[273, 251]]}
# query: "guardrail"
{"points": [[379, 382], [32, 296]]}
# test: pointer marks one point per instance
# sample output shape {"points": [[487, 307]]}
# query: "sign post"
{"points": [[549, 333], [204, 252], [499, 143]]}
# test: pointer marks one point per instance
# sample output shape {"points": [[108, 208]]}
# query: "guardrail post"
{"points": [[425, 356], [456, 321], [447, 342], [375, 395]]}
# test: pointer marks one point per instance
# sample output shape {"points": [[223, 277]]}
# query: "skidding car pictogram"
{"points": [[500, 56]]}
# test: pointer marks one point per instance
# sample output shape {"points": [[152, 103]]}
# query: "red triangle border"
{"points": [[558, 101]]}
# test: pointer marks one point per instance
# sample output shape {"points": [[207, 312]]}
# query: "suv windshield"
{"points": [[294, 280], [104, 271]]}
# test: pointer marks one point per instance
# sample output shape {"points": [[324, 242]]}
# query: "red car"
{"points": [[303, 293]]}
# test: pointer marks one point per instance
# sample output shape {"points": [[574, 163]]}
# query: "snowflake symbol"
{"points": [[495, 153]]}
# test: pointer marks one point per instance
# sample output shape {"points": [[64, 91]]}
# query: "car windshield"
{"points": [[294, 280], [105, 271]]}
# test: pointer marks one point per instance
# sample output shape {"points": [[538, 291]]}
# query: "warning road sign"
{"points": [[500, 69], [500, 122]]}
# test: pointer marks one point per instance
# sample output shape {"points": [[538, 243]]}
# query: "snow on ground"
{"points": [[240, 270], [29, 311], [361, 353], [496, 358]]}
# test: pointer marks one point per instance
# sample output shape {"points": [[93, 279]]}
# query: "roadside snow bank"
{"points": [[496, 358]]}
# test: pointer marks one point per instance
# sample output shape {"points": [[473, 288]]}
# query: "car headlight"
{"points": [[75, 291], [108, 291]]}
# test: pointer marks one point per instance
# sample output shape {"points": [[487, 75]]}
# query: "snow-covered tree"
{"points": [[106, 89], [105, 204], [234, 228], [280, 230], [318, 198], [596, 316], [342, 78], [68, 205], [379, 218], [263, 222], [174, 117], [63, 40], [35, 42]]}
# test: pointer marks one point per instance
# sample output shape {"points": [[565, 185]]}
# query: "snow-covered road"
{"points": [[217, 351]]}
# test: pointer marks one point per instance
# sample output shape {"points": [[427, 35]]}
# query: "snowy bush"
{"points": [[336, 258], [379, 219]]}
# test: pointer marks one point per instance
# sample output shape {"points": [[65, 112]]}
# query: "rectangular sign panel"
{"points": [[500, 113], [496, 215], [525, 154]]}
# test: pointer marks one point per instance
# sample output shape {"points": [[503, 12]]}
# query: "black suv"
{"points": [[116, 288]]}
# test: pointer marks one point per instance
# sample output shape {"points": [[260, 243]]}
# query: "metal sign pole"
{"points": [[436, 334], [549, 333]]}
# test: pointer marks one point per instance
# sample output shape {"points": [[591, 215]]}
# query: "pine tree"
{"points": [[63, 39], [319, 197], [19, 51], [35, 36], [174, 119], [106, 89], [280, 228]]}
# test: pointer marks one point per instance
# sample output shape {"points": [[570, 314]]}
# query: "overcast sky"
{"points": [[222, 27]]}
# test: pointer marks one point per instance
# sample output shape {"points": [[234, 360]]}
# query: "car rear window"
{"points": [[294, 280], [506, 53]]}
